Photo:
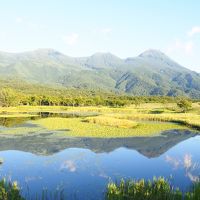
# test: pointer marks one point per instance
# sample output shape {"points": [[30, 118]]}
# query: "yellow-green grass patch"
{"points": [[111, 121], [17, 115], [78, 128], [188, 119]]}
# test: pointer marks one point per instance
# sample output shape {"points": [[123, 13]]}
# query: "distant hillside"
{"points": [[150, 73]]}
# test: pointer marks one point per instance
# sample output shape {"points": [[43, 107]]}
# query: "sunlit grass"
{"points": [[157, 189], [130, 121], [78, 128], [17, 115], [9, 191], [111, 121], [191, 120], [19, 109]]}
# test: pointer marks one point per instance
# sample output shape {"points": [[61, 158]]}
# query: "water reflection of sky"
{"points": [[83, 174]]}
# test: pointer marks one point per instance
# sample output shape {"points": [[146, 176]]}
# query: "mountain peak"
{"points": [[153, 53], [102, 60], [103, 55], [48, 51]]}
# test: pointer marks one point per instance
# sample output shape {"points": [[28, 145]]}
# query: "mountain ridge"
{"points": [[150, 73]]}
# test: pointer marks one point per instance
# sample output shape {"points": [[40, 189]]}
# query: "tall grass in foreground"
{"points": [[194, 194], [9, 191], [158, 189]]}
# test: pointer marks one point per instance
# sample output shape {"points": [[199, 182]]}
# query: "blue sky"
{"points": [[123, 27]]}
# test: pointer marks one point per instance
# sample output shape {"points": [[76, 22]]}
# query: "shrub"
{"points": [[184, 105]]}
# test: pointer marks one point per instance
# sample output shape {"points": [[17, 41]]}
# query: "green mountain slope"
{"points": [[150, 73]]}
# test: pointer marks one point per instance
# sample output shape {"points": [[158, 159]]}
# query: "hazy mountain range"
{"points": [[150, 73]]}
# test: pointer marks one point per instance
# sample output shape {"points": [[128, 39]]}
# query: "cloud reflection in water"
{"points": [[191, 168]]}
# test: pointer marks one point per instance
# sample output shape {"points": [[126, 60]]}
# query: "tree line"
{"points": [[10, 97]]}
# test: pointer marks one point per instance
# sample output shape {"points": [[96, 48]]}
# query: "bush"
{"points": [[184, 105]]}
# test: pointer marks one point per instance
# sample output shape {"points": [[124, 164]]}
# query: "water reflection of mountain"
{"points": [[48, 144]]}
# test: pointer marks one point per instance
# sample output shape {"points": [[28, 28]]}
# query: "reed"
{"points": [[10, 191], [157, 189]]}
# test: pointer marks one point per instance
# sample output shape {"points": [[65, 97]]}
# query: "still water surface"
{"points": [[81, 167]]}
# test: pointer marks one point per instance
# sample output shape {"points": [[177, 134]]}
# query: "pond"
{"points": [[80, 168]]}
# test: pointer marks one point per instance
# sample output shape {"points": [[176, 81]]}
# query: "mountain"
{"points": [[150, 73]]}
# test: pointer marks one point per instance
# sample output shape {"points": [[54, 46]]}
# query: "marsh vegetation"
{"points": [[157, 189], [9, 191], [149, 119]]}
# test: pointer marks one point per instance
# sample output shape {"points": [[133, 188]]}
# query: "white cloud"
{"points": [[178, 45], [187, 160], [69, 165], [191, 168], [192, 177], [174, 161], [195, 30], [18, 20], [71, 39]]}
